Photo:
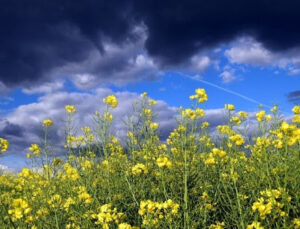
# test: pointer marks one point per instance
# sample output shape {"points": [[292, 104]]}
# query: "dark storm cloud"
{"points": [[178, 29], [38, 36], [294, 97], [10, 129]]}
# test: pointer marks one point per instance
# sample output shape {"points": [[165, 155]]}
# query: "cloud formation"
{"points": [[96, 41], [23, 126], [249, 51], [294, 97]]}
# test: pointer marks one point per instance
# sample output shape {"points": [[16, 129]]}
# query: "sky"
{"points": [[59, 52]]}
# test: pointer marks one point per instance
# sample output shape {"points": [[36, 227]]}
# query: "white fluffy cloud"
{"points": [[247, 50], [200, 63], [22, 127], [47, 87], [227, 76]]}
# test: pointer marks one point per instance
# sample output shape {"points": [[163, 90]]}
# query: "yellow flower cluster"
{"points": [[219, 153], [224, 129], [55, 201], [296, 109], [47, 122], [210, 160], [21, 209], [108, 117], [204, 125], [200, 95], [269, 201], [86, 129], [296, 223], [68, 203], [70, 109], [139, 168], [154, 126], [261, 116], [254, 225], [111, 100], [236, 120], [147, 112], [163, 161], [152, 102], [153, 212], [144, 95], [237, 139], [218, 225], [193, 114], [35, 149], [4, 144], [262, 207], [84, 196], [107, 215], [243, 114], [229, 107], [132, 137], [71, 172]]}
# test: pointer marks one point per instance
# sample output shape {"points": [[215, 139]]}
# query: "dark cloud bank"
{"points": [[40, 36]]}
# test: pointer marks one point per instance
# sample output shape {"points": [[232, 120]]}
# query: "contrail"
{"points": [[226, 90]]}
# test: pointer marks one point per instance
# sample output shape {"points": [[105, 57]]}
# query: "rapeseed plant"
{"points": [[192, 180]]}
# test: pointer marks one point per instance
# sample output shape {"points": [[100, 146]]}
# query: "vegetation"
{"points": [[195, 179]]}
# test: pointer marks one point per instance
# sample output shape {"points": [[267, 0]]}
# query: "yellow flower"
{"points": [[237, 120], [204, 125], [139, 168], [29, 219], [4, 144], [210, 160], [47, 122], [260, 115], [229, 107], [268, 117], [108, 116], [111, 100], [262, 208], [201, 95], [124, 226], [144, 95], [275, 108], [219, 153], [296, 223], [296, 109], [296, 119], [163, 162], [199, 112], [218, 225], [254, 225], [243, 114], [152, 102], [237, 139], [70, 109], [35, 149], [86, 129], [154, 126]]}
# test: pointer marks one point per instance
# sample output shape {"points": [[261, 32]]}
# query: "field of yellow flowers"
{"points": [[195, 179]]}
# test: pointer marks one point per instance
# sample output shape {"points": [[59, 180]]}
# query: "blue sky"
{"points": [[70, 54]]}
